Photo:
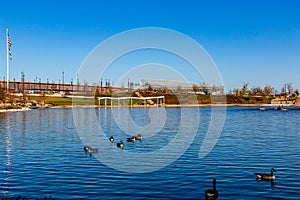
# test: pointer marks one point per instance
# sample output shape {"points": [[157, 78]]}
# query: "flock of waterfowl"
{"points": [[210, 194], [120, 144], [131, 139]]}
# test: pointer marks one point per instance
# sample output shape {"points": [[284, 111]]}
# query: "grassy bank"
{"points": [[170, 99]]}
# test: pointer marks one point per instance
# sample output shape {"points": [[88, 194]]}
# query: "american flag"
{"points": [[9, 45]]}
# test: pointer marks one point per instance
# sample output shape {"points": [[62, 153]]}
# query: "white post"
{"points": [[7, 62]]}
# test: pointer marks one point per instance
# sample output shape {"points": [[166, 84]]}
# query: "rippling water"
{"points": [[42, 155]]}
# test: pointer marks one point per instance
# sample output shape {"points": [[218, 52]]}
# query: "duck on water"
{"points": [[263, 176], [131, 139], [120, 144], [111, 139], [90, 150], [138, 137]]}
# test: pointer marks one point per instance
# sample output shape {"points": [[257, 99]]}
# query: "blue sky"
{"points": [[250, 41]]}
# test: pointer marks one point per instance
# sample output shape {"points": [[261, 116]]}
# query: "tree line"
{"points": [[286, 90]]}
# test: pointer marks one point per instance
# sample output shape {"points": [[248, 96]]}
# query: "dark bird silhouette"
{"points": [[120, 144], [211, 194], [138, 137], [111, 139], [132, 139]]}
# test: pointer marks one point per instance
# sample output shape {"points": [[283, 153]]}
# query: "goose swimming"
{"points": [[138, 137], [90, 150], [266, 176], [111, 139], [132, 139], [120, 144], [212, 194]]}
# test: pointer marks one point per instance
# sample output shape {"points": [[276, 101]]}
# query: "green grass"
{"points": [[169, 99], [64, 101]]}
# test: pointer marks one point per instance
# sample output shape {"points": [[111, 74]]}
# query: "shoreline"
{"points": [[148, 106], [14, 110]]}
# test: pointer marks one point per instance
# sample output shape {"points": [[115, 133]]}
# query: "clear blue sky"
{"points": [[250, 41]]}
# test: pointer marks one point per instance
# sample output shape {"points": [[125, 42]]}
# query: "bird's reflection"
{"points": [[272, 184]]}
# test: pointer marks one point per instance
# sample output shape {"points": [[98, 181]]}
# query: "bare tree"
{"points": [[195, 88], [166, 90], [256, 91], [268, 90], [245, 89], [289, 88], [283, 90], [236, 92]]}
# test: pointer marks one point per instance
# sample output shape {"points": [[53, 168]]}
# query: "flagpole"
{"points": [[7, 62]]}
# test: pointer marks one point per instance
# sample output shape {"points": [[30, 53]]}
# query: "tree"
{"points": [[245, 89], [283, 90], [289, 88], [97, 92], [2, 94], [195, 88], [236, 92], [149, 89], [256, 91], [165, 90], [268, 90], [110, 88]]}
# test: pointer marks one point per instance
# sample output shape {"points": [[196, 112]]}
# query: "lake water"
{"points": [[42, 155]]}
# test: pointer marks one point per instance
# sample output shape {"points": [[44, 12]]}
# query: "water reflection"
{"points": [[42, 155], [272, 184], [9, 164]]}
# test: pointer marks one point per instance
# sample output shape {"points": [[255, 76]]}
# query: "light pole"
{"points": [[23, 79], [72, 85], [63, 80]]}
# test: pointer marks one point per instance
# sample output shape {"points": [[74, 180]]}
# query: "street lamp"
{"points": [[72, 85], [23, 79], [63, 80]]}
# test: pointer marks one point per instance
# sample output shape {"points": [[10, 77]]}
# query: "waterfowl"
{"points": [[86, 148], [90, 150], [120, 144], [132, 139], [212, 193], [266, 176], [138, 137], [111, 139], [281, 107]]}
